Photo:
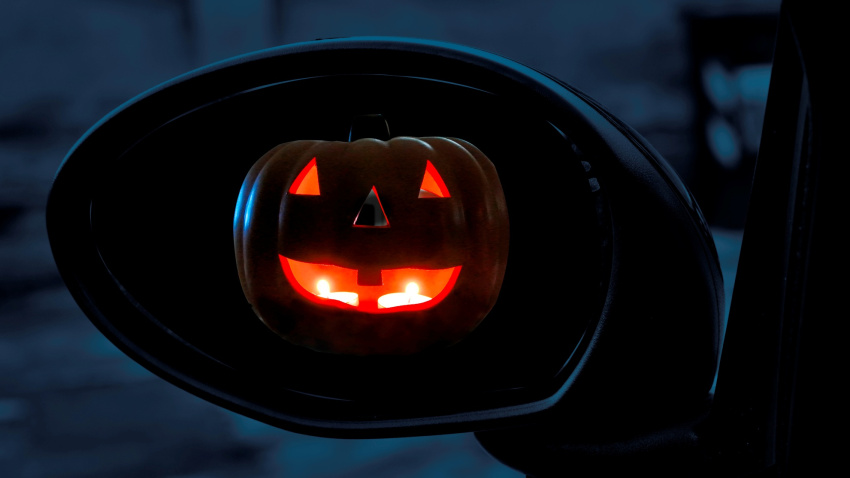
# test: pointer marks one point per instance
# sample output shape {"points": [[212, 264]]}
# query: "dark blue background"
{"points": [[71, 404]]}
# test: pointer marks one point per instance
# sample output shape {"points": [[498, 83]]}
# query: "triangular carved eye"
{"points": [[307, 182], [432, 184]]}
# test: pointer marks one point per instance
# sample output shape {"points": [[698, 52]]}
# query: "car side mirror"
{"points": [[562, 270]]}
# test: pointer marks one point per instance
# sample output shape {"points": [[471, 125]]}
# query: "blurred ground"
{"points": [[71, 405]]}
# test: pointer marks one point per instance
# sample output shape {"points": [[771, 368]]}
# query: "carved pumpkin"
{"points": [[372, 247]]}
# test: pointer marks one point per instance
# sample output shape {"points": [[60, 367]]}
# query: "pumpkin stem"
{"points": [[369, 126]]}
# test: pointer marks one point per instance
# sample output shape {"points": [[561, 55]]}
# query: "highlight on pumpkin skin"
{"points": [[337, 286], [307, 182]]}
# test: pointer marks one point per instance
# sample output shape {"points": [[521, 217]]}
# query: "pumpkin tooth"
{"points": [[369, 277]]}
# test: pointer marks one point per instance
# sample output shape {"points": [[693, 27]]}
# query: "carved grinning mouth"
{"points": [[403, 289]]}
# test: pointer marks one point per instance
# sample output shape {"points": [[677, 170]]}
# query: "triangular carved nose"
{"points": [[371, 212]]}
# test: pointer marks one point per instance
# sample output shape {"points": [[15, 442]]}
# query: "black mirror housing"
{"points": [[609, 315]]}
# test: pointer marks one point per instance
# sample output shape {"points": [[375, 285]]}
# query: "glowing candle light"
{"points": [[408, 297], [324, 288]]}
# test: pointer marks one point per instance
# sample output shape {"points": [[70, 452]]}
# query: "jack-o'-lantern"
{"points": [[372, 247]]}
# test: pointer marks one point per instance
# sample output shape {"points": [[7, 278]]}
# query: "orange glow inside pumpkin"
{"points": [[432, 183], [307, 182], [401, 290]]}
